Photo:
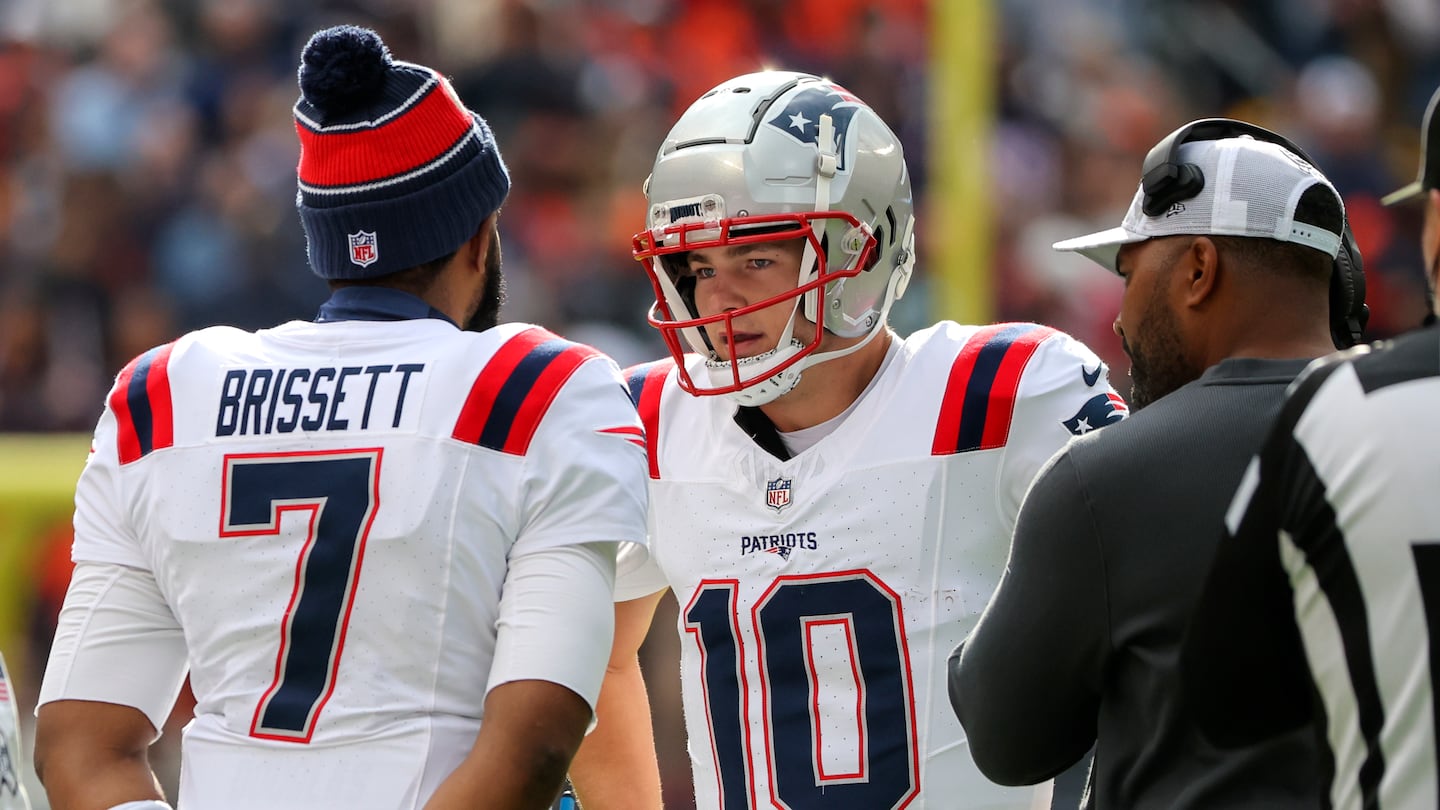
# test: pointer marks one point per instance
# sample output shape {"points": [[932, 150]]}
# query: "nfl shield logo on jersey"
{"points": [[363, 249], [777, 493]]}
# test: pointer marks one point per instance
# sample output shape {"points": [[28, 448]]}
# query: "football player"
{"points": [[830, 504], [382, 545]]}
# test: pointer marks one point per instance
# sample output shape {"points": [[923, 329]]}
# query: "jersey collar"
{"points": [[376, 304]]}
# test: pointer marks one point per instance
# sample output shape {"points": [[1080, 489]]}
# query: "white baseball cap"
{"points": [[1251, 189]]}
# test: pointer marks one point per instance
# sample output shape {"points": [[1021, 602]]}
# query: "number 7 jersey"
{"points": [[820, 595], [322, 517]]}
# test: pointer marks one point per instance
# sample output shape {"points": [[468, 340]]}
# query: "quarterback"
{"points": [[830, 504], [383, 546]]}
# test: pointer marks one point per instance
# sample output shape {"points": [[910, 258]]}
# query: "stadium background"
{"points": [[147, 166]]}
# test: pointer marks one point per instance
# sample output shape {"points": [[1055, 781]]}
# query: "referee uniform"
{"points": [[1330, 573]]}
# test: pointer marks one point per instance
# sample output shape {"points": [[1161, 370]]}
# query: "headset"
{"points": [[1167, 181]]}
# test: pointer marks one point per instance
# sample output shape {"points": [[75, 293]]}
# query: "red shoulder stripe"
{"points": [[979, 399], [142, 405], [481, 398], [646, 381], [512, 393], [556, 370]]}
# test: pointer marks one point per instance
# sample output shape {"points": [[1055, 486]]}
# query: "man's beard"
{"points": [[1160, 366], [492, 297]]}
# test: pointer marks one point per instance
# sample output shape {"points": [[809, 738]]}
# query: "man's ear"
{"points": [[478, 246], [1200, 271]]}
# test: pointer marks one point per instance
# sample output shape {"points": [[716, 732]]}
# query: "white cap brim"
{"points": [[1101, 247]]}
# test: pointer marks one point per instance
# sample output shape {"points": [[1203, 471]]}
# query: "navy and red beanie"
{"points": [[394, 170]]}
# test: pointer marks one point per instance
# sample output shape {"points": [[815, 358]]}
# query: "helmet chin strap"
{"points": [[826, 164]]}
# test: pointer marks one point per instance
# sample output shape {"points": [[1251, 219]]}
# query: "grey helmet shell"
{"points": [[754, 146]]}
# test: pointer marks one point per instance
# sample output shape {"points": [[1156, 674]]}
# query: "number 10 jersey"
{"points": [[819, 596]]}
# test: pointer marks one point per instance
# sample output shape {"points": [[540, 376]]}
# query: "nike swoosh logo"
{"points": [[1091, 377]]}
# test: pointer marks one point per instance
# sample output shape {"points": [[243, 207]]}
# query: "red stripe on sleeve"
{"points": [[127, 442], [157, 389], [487, 385], [1007, 383], [649, 408], [952, 405], [547, 387]]}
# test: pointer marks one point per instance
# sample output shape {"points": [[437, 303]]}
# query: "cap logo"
{"points": [[364, 250], [1175, 209]]}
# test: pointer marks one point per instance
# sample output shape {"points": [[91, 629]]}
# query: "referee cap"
{"points": [[1251, 188], [394, 171], [1429, 175]]}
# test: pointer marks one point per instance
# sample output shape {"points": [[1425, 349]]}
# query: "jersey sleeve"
{"points": [[116, 641], [102, 528], [556, 623], [636, 573], [1064, 391], [584, 478], [1026, 682]]}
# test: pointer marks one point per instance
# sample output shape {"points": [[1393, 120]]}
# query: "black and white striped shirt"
{"points": [[1325, 592]]}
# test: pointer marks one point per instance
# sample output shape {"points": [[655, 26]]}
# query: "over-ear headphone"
{"points": [[1167, 181]]}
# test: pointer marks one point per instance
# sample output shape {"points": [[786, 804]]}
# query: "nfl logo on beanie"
{"points": [[362, 249], [394, 171]]}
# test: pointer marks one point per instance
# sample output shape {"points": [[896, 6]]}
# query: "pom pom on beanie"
{"points": [[343, 67]]}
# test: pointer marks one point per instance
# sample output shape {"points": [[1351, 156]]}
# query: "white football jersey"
{"points": [[819, 596], [329, 510]]}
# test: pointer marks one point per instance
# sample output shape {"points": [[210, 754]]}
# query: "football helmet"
{"points": [[776, 156]]}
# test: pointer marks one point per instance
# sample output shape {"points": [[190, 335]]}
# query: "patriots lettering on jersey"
{"points": [[780, 544], [1097, 412], [263, 401]]}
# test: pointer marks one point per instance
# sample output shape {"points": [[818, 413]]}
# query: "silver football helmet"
{"points": [[776, 156]]}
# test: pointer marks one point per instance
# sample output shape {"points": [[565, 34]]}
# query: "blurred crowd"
{"points": [[147, 151], [147, 156]]}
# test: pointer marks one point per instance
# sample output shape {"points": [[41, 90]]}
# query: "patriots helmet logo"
{"points": [[1097, 412], [801, 117]]}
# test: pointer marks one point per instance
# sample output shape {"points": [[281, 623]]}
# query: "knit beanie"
{"points": [[394, 170]]}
